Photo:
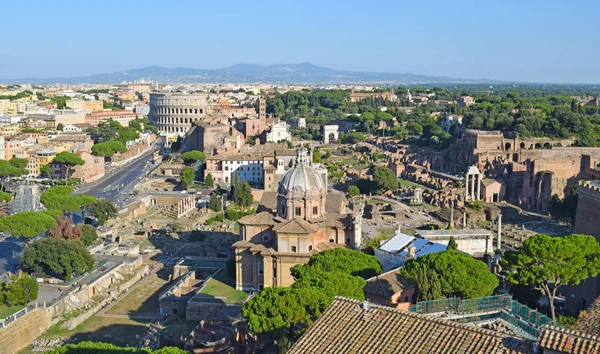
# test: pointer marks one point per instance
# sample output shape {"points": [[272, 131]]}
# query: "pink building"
{"points": [[122, 117]]}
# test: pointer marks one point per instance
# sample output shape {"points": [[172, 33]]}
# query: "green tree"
{"points": [[452, 244], [88, 235], [460, 274], [209, 180], [59, 198], [8, 171], [344, 260], [5, 197], [187, 177], [385, 179], [215, 203], [242, 194], [551, 262], [19, 291], [336, 283], [102, 210], [27, 224], [193, 156], [428, 283], [60, 127], [18, 162], [108, 148], [316, 156], [57, 257], [46, 171], [277, 310], [353, 191], [68, 160]]}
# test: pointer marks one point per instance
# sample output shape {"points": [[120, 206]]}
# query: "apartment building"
{"points": [[122, 117]]}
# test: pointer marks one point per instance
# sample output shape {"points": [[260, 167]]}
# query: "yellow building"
{"points": [[42, 158], [10, 130], [8, 107]]}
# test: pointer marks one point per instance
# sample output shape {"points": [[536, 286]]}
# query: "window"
{"points": [[260, 269], [298, 211], [310, 247], [589, 219], [315, 210], [331, 240], [294, 249]]}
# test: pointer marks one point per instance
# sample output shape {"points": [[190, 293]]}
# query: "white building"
{"points": [[236, 168], [400, 248], [6, 121], [298, 122], [142, 110], [451, 120], [77, 127], [279, 132]]}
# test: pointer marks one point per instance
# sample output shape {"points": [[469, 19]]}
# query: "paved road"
{"points": [[118, 186], [10, 249]]}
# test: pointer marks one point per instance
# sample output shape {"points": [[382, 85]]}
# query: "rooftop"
{"points": [[348, 326], [456, 233]]}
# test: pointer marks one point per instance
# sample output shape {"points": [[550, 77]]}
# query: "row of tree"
{"points": [[278, 311]]}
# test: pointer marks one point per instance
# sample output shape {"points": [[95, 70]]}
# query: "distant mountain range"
{"points": [[303, 73]]}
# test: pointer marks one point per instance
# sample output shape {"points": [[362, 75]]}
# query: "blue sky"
{"points": [[526, 40]]}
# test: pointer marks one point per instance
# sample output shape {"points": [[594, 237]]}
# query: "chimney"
{"points": [[410, 252], [499, 235], [365, 305]]}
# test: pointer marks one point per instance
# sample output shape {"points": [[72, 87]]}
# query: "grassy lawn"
{"points": [[118, 331], [6, 311], [405, 183], [142, 300], [387, 232], [222, 285]]}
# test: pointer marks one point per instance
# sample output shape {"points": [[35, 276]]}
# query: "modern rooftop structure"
{"points": [[400, 248]]}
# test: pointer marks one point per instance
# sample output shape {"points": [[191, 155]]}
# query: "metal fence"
{"points": [[456, 305], [520, 316]]}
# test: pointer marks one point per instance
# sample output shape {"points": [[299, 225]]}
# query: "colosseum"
{"points": [[175, 112]]}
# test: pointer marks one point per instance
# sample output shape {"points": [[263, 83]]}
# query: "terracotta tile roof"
{"points": [[345, 327], [263, 218], [387, 284], [324, 246], [590, 322], [333, 220], [565, 340], [268, 201], [335, 202], [295, 226]]}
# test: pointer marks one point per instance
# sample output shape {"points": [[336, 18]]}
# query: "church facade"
{"points": [[307, 219]]}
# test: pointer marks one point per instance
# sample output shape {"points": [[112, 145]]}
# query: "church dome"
{"points": [[302, 175]]}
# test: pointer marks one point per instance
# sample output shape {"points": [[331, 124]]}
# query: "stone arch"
{"points": [[547, 145], [522, 145], [507, 146]]}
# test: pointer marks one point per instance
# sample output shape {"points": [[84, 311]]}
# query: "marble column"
{"points": [[478, 196], [473, 178], [466, 187]]}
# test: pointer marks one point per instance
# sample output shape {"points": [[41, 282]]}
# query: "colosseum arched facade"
{"points": [[176, 112]]}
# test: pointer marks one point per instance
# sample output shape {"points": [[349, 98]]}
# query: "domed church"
{"points": [[307, 219]]}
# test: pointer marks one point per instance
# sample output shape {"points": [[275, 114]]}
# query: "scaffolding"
{"points": [[526, 320]]}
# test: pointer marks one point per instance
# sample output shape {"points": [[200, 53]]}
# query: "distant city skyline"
{"points": [[533, 41]]}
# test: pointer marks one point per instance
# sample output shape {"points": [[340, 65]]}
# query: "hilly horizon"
{"points": [[301, 73]]}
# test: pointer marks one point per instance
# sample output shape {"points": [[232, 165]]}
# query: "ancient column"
{"points": [[478, 196], [466, 187], [499, 235], [473, 177]]}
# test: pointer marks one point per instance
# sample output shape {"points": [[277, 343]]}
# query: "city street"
{"points": [[118, 186]]}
